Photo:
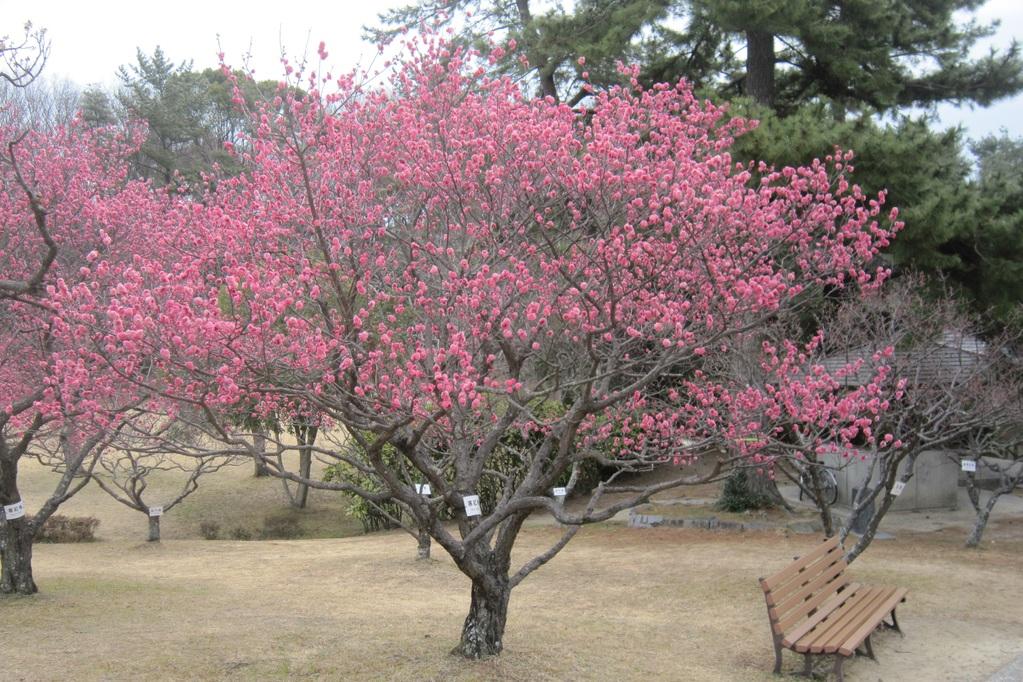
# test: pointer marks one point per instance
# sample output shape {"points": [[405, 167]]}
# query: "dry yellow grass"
{"points": [[661, 604], [231, 497]]}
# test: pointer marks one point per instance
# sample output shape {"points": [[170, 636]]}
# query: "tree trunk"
{"points": [[306, 436], [760, 67], [304, 467], [483, 631], [823, 506], [984, 513], [16, 536], [424, 545], [16, 557], [154, 529], [973, 540], [259, 444]]}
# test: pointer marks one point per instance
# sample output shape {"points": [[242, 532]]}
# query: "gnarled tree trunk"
{"points": [[154, 529], [483, 631], [259, 445], [423, 551], [16, 538], [306, 436]]}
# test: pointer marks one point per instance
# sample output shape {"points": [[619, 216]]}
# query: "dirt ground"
{"points": [[618, 603]]}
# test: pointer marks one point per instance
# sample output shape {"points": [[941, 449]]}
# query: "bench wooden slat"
{"points": [[836, 600], [813, 572], [771, 582], [830, 575], [814, 608], [848, 647], [815, 640], [846, 621], [869, 616]]}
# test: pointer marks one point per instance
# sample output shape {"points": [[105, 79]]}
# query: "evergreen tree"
{"points": [[995, 255]]}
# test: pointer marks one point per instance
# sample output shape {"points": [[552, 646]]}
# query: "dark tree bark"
{"points": [[424, 544], [259, 444], [760, 67], [16, 557], [483, 631], [1005, 487], [154, 529], [823, 505], [544, 68], [16, 537], [306, 436]]}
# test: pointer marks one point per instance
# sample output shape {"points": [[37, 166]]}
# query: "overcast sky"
{"points": [[91, 39]]}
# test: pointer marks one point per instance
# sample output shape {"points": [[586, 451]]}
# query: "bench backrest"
{"points": [[796, 592]]}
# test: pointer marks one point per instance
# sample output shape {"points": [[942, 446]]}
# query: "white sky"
{"points": [[90, 39]]}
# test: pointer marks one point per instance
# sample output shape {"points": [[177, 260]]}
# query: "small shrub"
{"points": [[739, 494], [281, 527], [60, 528], [239, 533], [209, 530]]}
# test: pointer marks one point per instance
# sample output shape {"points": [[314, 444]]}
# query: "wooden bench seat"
{"points": [[815, 609]]}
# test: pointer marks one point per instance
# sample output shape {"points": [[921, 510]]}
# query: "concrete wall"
{"points": [[933, 485]]}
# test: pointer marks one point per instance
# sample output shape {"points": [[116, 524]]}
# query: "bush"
{"points": [[239, 533], [209, 530], [281, 527], [740, 493], [68, 529]]}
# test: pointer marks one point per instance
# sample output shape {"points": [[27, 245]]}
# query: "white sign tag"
{"points": [[898, 488], [560, 492], [969, 465], [156, 511], [14, 511], [423, 488], [472, 505]]}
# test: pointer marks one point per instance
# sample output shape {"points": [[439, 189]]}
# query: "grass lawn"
{"points": [[232, 498], [618, 603]]}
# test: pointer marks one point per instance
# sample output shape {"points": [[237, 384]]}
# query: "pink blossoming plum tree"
{"points": [[67, 215], [430, 264]]}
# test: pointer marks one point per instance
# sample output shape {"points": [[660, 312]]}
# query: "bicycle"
{"points": [[826, 479]]}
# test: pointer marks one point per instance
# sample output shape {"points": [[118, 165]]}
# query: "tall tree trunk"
{"points": [[16, 557], [154, 529], [760, 67], [823, 505], [424, 544], [1006, 486], [483, 631], [544, 68], [306, 436], [16, 536], [259, 444]]}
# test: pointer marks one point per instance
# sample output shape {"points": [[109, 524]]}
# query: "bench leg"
{"points": [[895, 624], [777, 654], [869, 650], [839, 660], [807, 666]]}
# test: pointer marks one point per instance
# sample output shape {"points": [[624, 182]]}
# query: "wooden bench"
{"points": [[815, 609]]}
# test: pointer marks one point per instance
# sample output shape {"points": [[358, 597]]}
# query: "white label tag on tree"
{"points": [[472, 505], [156, 511], [969, 465], [423, 488], [898, 488], [560, 492], [14, 511]]}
